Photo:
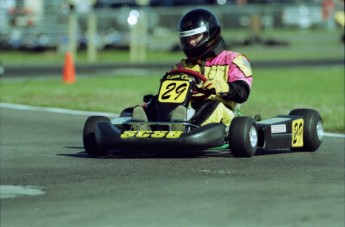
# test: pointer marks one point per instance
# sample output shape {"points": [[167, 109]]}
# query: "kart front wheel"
{"points": [[312, 129], [243, 137], [89, 138]]}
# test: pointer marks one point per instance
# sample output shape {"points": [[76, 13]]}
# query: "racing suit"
{"points": [[228, 66]]}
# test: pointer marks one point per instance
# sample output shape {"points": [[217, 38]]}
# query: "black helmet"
{"points": [[201, 21]]}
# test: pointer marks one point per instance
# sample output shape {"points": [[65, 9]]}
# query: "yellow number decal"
{"points": [[158, 134], [173, 91], [297, 133], [174, 134], [144, 134], [152, 134], [128, 134]]}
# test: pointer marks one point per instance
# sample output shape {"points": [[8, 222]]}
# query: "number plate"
{"points": [[173, 91], [297, 133]]}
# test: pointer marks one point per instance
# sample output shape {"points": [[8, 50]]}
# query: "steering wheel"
{"points": [[205, 93]]}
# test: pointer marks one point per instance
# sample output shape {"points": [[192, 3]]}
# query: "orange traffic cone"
{"points": [[68, 76]]}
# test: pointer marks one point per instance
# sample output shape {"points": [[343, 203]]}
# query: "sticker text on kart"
{"points": [[151, 134]]}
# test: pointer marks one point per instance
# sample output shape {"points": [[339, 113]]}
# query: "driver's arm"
{"points": [[238, 91]]}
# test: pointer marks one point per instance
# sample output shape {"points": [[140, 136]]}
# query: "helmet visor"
{"points": [[195, 31], [189, 38]]}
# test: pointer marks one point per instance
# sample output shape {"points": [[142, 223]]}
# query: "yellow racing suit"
{"points": [[230, 67]]}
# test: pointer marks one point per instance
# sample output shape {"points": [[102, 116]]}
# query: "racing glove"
{"points": [[216, 86]]}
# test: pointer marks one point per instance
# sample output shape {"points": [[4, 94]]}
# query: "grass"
{"points": [[274, 92], [301, 45]]}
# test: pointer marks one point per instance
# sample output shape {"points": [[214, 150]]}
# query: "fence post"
{"points": [[138, 40], [72, 31], [92, 36]]}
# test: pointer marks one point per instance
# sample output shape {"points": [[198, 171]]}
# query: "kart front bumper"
{"points": [[109, 136]]}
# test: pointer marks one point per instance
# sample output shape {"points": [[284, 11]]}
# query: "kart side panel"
{"points": [[277, 133]]}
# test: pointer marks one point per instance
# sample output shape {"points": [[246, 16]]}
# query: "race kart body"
{"points": [[300, 130]]}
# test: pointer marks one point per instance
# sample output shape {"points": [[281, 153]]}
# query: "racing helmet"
{"points": [[201, 21]]}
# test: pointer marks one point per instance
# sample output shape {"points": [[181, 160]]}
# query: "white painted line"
{"points": [[13, 191], [55, 110], [89, 113], [335, 135]]}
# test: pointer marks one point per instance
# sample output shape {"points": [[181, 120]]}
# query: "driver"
{"points": [[229, 73]]}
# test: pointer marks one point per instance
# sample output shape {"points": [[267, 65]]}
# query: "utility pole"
{"points": [[92, 33], [72, 30]]}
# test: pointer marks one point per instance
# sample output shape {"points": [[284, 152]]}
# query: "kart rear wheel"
{"points": [[89, 139], [243, 137], [312, 129]]}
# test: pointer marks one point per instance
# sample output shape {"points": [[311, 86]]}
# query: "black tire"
{"points": [[312, 129], [243, 137], [89, 139]]}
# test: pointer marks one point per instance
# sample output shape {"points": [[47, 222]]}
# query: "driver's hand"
{"points": [[216, 86]]}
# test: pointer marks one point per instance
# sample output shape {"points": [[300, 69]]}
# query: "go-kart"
{"points": [[300, 130]]}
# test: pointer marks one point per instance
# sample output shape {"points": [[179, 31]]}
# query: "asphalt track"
{"points": [[42, 152]]}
